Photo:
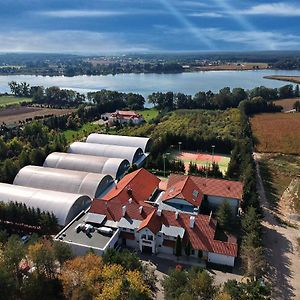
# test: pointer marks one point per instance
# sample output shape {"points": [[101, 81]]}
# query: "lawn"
{"points": [[277, 132], [85, 130], [201, 159], [287, 104], [8, 100], [148, 114], [277, 172]]}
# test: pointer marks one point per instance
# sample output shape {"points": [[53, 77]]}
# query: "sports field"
{"points": [[202, 159]]}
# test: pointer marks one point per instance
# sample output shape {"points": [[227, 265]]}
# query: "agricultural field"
{"points": [[11, 116], [278, 171], [234, 67], [287, 104], [201, 159], [148, 114], [276, 133], [85, 130], [295, 79], [10, 100]]}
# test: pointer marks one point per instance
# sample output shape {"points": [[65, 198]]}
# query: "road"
{"points": [[281, 249]]}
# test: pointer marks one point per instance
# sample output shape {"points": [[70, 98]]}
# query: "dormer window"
{"points": [[195, 193]]}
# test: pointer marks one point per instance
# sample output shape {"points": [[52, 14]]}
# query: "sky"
{"points": [[146, 26]]}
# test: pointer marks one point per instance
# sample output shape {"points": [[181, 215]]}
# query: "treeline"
{"points": [[28, 145], [46, 269], [290, 63], [225, 98], [196, 283], [242, 167], [19, 215]]}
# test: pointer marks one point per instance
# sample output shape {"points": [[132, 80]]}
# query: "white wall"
{"points": [[221, 259]]}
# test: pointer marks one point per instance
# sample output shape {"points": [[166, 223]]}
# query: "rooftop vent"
{"points": [[130, 200], [129, 191], [176, 215], [124, 210], [141, 209], [192, 221], [158, 212]]}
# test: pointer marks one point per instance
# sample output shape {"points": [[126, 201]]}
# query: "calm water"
{"points": [[145, 84]]}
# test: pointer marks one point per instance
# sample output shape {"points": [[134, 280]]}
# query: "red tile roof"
{"points": [[211, 186], [138, 185], [184, 189], [152, 222]]}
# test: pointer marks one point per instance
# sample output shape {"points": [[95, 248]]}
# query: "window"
{"points": [[150, 237], [193, 252], [195, 193], [143, 236], [132, 230], [124, 229]]}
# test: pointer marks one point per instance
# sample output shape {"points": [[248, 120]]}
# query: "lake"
{"points": [[145, 84]]}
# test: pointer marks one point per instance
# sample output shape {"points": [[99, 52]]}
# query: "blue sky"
{"points": [[120, 26]]}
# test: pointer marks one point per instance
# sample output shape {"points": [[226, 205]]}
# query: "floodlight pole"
{"points": [[164, 159], [213, 152], [179, 146]]}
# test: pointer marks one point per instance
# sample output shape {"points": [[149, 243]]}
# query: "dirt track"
{"points": [[281, 250]]}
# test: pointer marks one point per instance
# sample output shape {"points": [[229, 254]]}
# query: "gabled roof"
{"points": [[211, 186], [184, 189], [138, 185], [152, 222]]}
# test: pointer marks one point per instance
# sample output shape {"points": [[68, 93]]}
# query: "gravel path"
{"points": [[281, 249]]}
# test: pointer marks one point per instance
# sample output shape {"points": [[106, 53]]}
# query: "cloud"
{"points": [[274, 9], [206, 14], [242, 39], [68, 41], [84, 13]]}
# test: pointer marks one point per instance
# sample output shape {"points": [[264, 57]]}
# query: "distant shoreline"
{"points": [[294, 79]]}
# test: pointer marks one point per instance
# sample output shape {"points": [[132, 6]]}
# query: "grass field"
{"points": [[201, 159], [148, 114], [8, 100], [85, 130], [277, 133], [277, 172], [287, 104]]}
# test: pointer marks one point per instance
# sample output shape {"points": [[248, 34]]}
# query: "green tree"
{"points": [[62, 251], [178, 246], [188, 248], [296, 106], [225, 216]]}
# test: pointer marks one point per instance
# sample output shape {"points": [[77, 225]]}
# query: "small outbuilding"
{"points": [[67, 181], [120, 140], [115, 167], [65, 206], [133, 154]]}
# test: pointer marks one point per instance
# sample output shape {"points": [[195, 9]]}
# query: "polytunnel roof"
{"points": [[87, 163], [120, 140], [132, 154], [59, 203], [67, 181]]}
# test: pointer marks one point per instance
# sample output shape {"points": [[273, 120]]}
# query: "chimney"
{"points": [[141, 209], [210, 216], [130, 200], [158, 212], [124, 210], [192, 221], [176, 215]]}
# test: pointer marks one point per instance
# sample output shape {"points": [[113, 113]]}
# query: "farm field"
{"points": [[277, 172], [8, 100], [295, 79], [12, 116], [201, 159], [276, 133], [85, 130], [234, 67], [148, 114], [287, 104]]}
